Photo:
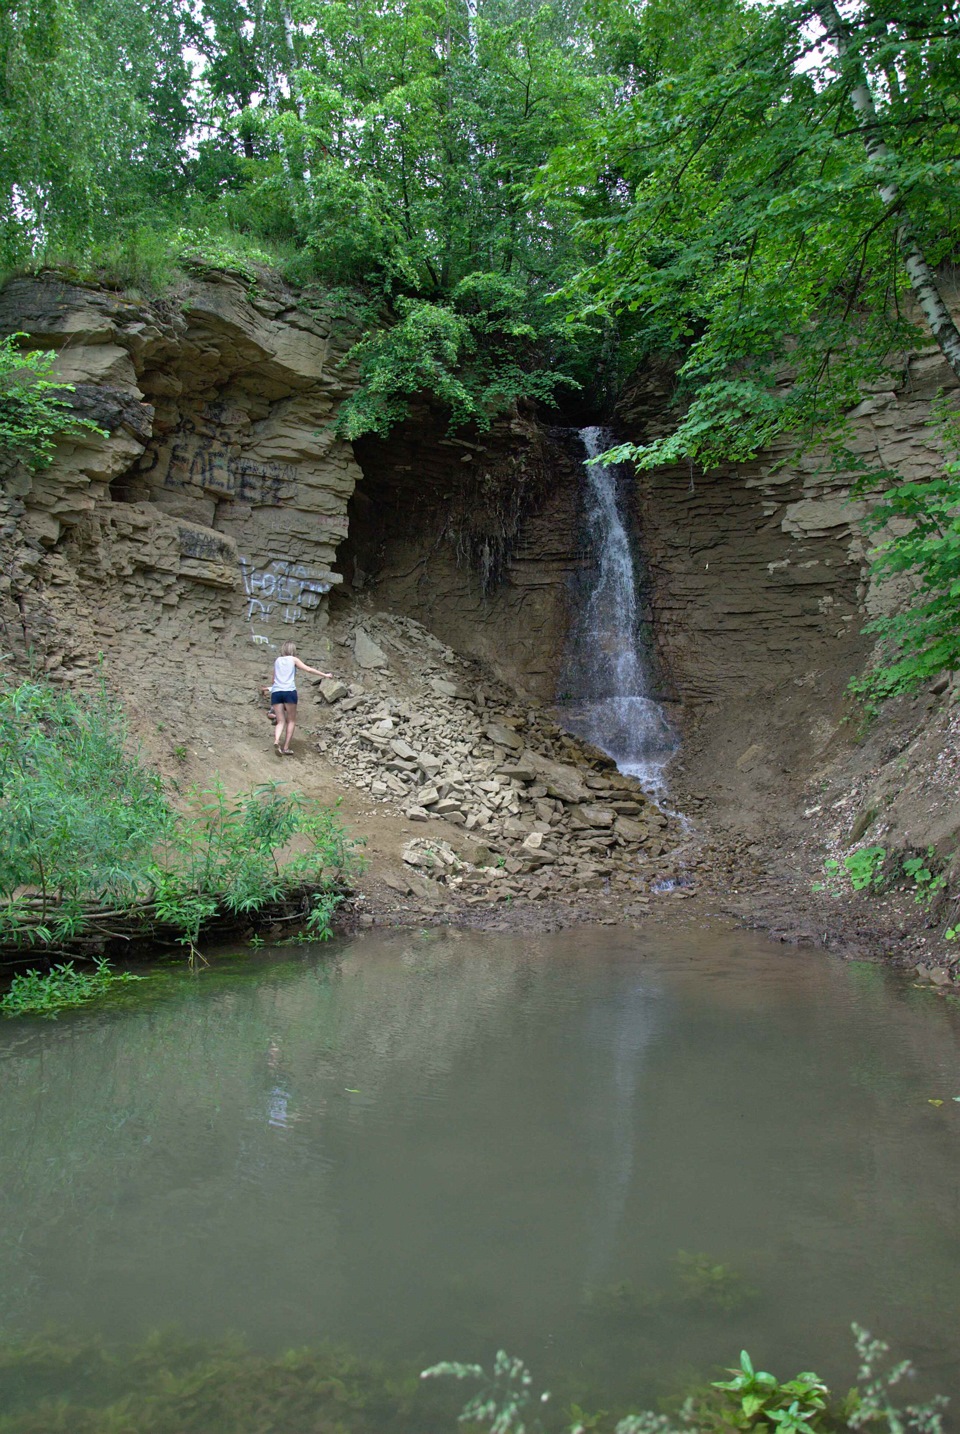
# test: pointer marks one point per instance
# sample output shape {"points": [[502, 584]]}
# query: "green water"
{"points": [[430, 1145]]}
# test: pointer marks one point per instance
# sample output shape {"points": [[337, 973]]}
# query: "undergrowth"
{"points": [[506, 1401], [91, 850], [37, 993], [167, 1384]]}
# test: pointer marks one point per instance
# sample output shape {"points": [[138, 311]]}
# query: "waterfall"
{"points": [[606, 686]]}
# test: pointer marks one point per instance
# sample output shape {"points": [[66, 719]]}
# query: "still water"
{"points": [[620, 1155]]}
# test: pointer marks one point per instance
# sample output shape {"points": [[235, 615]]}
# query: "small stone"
{"points": [[533, 842], [444, 689], [427, 796], [447, 805], [403, 750], [416, 814]]}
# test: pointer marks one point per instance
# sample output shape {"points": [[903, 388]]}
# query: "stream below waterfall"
{"points": [[620, 1155], [607, 690]]}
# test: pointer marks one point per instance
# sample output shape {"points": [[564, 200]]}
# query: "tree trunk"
{"points": [[921, 275], [473, 7]]}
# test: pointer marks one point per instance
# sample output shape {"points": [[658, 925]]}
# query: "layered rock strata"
{"points": [[476, 536], [216, 494], [758, 583]]}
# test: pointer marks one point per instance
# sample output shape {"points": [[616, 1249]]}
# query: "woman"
{"points": [[283, 695]]}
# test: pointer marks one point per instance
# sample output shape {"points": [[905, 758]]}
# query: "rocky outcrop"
{"points": [[758, 584], [475, 536], [217, 489]]}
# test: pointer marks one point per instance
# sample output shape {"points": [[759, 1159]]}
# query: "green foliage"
{"points": [[758, 1397], [33, 993], [33, 409], [170, 1384], [89, 840], [751, 1400], [474, 355], [863, 867], [926, 882], [735, 213], [81, 816], [223, 854], [319, 924], [922, 544], [712, 1284]]}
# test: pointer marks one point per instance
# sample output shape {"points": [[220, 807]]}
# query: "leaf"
{"points": [[934, 1102]]}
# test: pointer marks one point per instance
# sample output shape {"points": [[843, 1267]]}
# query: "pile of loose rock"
{"points": [[524, 808]]}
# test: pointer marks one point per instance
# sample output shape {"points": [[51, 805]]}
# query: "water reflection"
{"points": [[434, 1144]]}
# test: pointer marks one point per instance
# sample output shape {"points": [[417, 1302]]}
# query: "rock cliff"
{"points": [[217, 497]]}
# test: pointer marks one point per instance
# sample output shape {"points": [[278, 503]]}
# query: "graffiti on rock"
{"points": [[200, 456], [281, 590]]}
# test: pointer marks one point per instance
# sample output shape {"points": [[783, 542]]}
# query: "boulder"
{"points": [[596, 816], [503, 736], [521, 772], [562, 781], [399, 884], [367, 653], [331, 690]]}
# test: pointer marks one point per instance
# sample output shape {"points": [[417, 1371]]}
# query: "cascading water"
{"points": [[606, 686]]}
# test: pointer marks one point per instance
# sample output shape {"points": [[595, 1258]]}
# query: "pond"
{"points": [[622, 1155]]}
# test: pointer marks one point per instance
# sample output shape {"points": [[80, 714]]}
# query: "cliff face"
{"points": [[758, 583], [475, 537], [218, 498]]}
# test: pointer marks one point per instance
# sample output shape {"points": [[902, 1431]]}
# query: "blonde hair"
{"points": [[289, 649]]}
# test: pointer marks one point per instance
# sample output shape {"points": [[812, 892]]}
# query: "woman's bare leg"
{"points": [[291, 712], [278, 709]]}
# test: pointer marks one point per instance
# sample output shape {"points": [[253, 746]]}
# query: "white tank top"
{"points": [[285, 675]]}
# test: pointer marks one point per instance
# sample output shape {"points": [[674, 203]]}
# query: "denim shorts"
{"points": [[290, 698]]}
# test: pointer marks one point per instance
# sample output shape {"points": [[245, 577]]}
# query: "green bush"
{"points": [[922, 639], [33, 410], [90, 846]]}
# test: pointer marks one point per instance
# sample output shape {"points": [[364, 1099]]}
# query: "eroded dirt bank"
{"points": [[221, 515]]}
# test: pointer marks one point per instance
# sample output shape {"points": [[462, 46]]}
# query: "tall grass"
{"points": [[91, 849]]}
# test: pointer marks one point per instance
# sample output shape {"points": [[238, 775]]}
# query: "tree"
{"points": [[743, 224]]}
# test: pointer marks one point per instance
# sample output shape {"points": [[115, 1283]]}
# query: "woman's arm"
{"points": [[315, 670]]}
